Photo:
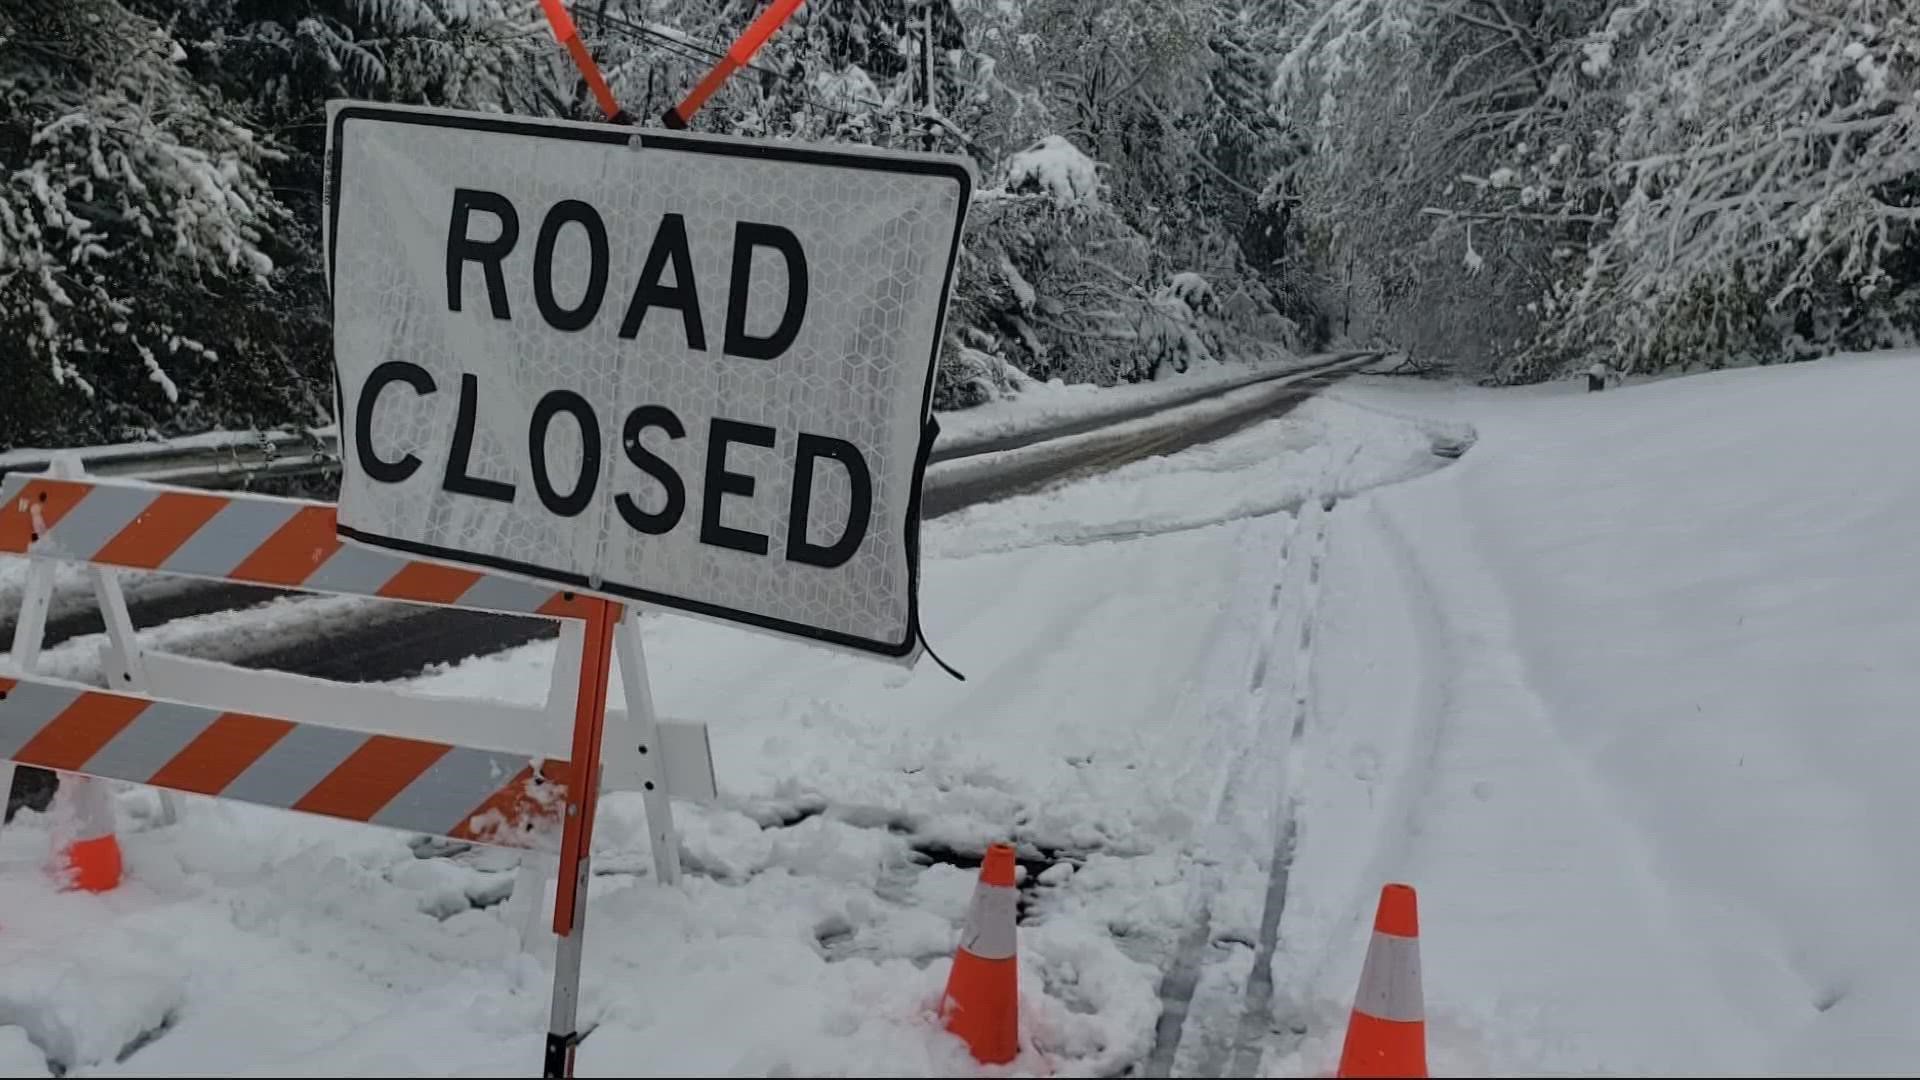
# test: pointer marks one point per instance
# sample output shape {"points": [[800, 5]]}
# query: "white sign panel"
{"points": [[689, 371]]}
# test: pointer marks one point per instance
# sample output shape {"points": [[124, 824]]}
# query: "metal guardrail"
{"points": [[237, 459], [218, 460]]}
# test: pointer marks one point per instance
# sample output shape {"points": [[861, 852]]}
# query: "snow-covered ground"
{"points": [[1624, 693], [1103, 711], [1628, 694]]}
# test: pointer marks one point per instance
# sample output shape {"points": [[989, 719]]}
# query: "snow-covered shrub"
{"points": [[1055, 289], [1194, 292], [1183, 326], [1058, 169], [969, 375]]}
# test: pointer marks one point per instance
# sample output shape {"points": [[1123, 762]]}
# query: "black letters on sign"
{"points": [[458, 479], [589, 219], [462, 249], [393, 371], [748, 235], [668, 516], [721, 483], [669, 242], [558, 401], [859, 509]]}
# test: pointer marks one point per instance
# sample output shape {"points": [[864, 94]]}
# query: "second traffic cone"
{"points": [[91, 859], [982, 1000], [1387, 1033]]}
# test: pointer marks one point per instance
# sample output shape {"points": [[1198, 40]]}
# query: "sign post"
{"points": [[680, 371]]}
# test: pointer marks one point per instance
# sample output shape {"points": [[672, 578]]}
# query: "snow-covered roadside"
{"points": [[1328, 447], [1105, 709], [1041, 405], [1626, 694]]}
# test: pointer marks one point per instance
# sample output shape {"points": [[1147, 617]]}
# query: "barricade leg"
{"points": [[528, 906], [642, 736], [121, 660], [576, 843], [29, 630]]}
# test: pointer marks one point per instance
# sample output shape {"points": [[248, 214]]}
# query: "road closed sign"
{"points": [[688, 371]]}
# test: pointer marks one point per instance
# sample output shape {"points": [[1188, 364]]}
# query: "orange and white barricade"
{"points": [[367, 753], [469, 770]]}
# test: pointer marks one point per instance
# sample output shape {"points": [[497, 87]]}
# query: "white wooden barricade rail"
{"points": [[470, 770]]}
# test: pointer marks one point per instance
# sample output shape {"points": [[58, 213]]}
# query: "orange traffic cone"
{"points": [[1387, 1033], [982, 1002], [91, 860]]}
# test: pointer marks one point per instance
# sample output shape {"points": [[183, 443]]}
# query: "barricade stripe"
{"points": [[79, 731], [26, 709], [95, 518], [144, 746], [371, 777], [294, 553], [294, 763], [448, 788], [228, 537], [351, 569], [494, 593], [166, 523], [490, 797], [526, 812], [285, 542], [429, 582], [31, 504], [220, 753], [564, 605]]}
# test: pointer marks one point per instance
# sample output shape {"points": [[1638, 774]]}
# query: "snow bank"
{"points": [[1322, 447], [1040, 406], [18, 1055], [1627, 695]]}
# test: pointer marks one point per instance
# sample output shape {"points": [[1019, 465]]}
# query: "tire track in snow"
{"points": [[1222, 1026], [1256, 1017], [1182, 978]]}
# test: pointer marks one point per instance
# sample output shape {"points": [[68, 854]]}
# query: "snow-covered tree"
{"points": [[141, 246], [1763, 181], [1438, 132], [1654, 182], [1129, 146]]}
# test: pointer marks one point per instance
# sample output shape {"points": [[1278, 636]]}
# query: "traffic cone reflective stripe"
{"points": [[1387, 1032], [982, 999], [91, 861]]}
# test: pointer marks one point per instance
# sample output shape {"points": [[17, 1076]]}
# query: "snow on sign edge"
{"points": [[902, 640]]}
